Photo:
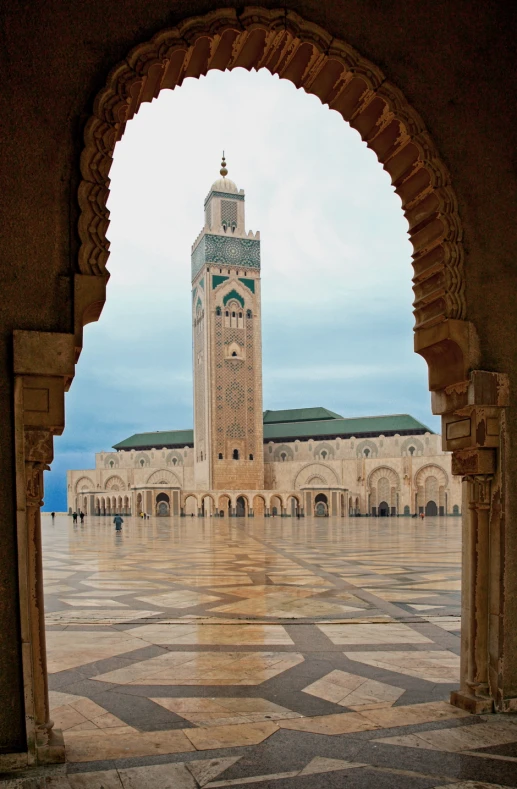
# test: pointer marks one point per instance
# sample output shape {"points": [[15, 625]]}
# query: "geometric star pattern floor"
{"points": [[295, 654]]}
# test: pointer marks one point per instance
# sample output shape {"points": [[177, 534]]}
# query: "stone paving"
{"points": [[275, 652]]}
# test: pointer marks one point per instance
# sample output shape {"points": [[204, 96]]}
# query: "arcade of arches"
{"points": [[447, 145]]}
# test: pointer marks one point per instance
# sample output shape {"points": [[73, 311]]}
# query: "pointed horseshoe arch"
{"points": [[287, 45]]}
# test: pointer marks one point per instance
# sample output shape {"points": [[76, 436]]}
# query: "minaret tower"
{"points": [[227, 349]]}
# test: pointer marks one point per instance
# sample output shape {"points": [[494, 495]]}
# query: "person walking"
{"points": [[118, 520], [52, 515], [81, 515], [74, 517]]}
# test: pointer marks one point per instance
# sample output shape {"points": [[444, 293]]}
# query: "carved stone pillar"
{"points": [[473, 428], [43, 368]]}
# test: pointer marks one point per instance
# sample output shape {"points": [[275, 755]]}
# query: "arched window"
{"points": [[220, 455], [240, 314], [142, 462], [233, 314], [324, 454], [111, 464], [366, 452], [234, 353], [283, 457], [227, 314], [235, 454], [248, 314], [201, 456], [251, 457], [174, 461], [411, 450], [217, 310]]}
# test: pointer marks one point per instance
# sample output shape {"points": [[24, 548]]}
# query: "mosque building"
{"points": [[239, 460]]}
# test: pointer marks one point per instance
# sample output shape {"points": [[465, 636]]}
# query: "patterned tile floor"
{"points": [[275, 652]]}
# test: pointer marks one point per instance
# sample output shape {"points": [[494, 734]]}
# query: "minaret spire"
{"points": [[223, 170]]}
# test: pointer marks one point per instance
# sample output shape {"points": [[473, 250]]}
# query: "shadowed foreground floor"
{"points": [[188, 652]]}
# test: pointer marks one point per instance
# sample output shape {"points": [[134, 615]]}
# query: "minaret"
{"points": [[227, 347]]}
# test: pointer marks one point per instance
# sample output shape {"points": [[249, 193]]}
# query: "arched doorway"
{"points": [[275, 505], [224, 506], [384, 509], [162, 505], [321, 505], [240, 507], [431, 508]]}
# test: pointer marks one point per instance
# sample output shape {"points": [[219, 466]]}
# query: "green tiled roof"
{"points": [[404, 424], [314, 427], [300, 415], [160, 438]]}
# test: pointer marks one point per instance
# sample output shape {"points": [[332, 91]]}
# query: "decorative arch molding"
{"points": [[304, 53], [174, 455], [323, 447], [383, 471], [84, 483], [431, 470], [111, 461], [142, 456], [163, 477], [115, 483], [412, 442], [367, 444], [316, 470], [283, 449]]}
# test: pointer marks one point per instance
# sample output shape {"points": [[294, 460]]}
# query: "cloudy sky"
{"points": [[336, 266]]}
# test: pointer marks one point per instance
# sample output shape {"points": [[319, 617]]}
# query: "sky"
{"points": [[336, 266]]}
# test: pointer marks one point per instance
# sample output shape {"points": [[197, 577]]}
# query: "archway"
{"points": [[241, 506], [163, 505], [275, 505], [224, 505], [384, 509], [431, 207], [259, 505], [321, 505], [431, 508]]}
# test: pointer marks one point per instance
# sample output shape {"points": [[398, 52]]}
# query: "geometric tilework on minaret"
{"points": [[227, 352]]}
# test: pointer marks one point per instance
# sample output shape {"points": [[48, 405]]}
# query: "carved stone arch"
{"points": [[412, 441], [316, 480], [316, 469], [367, 444], [111, 460], [324, 447], [384, 471], [431, 470], [84, 483], [142, 456], [287, 45], [174, 455], [283, 449], [114, 483], [164, 477]]}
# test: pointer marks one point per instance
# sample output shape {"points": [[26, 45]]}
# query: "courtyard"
{"points": [[278, 652]]}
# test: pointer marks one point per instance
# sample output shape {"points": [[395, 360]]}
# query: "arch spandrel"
{"points": [[288, 46]]}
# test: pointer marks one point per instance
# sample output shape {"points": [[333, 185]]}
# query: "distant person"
{"points": [[118, 520], [81, 515], [74, 517], [422, 515], [52, 515]]}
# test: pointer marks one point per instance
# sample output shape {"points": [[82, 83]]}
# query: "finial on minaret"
{"points": [[223, 170]]}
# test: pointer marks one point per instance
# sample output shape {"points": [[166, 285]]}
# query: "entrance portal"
{"points": [[162, 505], [240, 509], [431, 508], [321, 508], [384, 510]]}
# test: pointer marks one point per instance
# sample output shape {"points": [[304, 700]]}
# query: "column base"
{"points": [[473, 704], [53, 752]]}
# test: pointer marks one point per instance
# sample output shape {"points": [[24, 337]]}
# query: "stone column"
{"points": [[43, 368], [473, 428]]}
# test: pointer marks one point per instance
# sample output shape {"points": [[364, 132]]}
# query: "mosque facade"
{"points": [[240, 460]]}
